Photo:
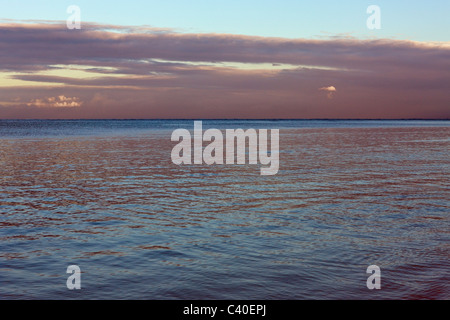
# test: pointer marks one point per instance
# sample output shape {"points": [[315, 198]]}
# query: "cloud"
{"points": [[56, 102], [329, 90], [142, 72], [42, 45]]}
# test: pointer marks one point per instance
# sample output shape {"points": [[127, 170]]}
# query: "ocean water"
{"points": [[105, 195]]}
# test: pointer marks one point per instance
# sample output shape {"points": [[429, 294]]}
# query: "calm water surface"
{"points": [[104, 195]]}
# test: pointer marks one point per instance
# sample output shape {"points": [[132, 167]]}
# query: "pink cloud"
{"points": [[56, 102], [329, 90], [154, 73]]}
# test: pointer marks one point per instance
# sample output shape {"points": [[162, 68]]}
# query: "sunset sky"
{"points": [[224, 59]]}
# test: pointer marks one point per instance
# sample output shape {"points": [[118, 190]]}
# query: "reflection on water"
{"points": [[346, 197]]}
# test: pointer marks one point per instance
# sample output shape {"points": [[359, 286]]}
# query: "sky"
{"points": [[224, 59]]}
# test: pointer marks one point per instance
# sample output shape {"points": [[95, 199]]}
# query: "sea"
{"points": [[104, 195]]}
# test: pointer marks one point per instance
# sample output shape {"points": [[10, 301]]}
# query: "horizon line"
{"points": [[229, 119]]}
